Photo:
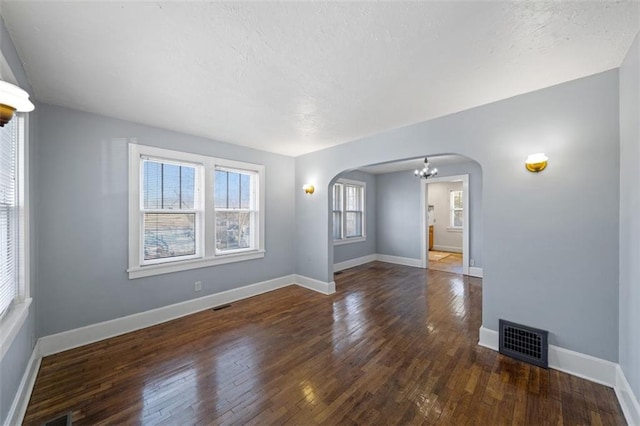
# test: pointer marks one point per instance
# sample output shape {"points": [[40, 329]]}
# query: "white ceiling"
{"points": [[416, 163], [295, 77]]}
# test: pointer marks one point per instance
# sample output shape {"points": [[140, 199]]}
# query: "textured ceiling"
{"points": [[295, 77]]}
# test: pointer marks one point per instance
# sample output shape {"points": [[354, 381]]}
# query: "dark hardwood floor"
{"points": [[394, 345]]}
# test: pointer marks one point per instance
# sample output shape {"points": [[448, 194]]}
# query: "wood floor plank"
{"points": [[393, 345]]}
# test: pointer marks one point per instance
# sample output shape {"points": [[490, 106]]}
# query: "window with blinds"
{"points": [[8, 214], [190, 211], [234, 196], [170, 213]]}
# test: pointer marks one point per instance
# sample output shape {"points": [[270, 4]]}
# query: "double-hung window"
{"points": [[188, 211], [348, 211], [8, 215], [455, 209], [14, 249], [171, 210], [235, 209]]}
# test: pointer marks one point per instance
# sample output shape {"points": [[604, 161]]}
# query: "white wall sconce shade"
{"points": [[536, 162], [12, 99]]}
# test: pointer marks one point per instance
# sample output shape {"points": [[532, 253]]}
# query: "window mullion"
{"points": [[208, 212]]}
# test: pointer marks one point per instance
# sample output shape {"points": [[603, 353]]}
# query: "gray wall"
{"points": [[398, 206], [14, 362], [629, 217], [83, 236], [350, 251], [550, 255]]}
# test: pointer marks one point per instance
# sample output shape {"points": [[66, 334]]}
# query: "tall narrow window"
{"points": [[8, 214], [337, 211], [353, 210], [456, 209], [235, 209], [348, 211]]}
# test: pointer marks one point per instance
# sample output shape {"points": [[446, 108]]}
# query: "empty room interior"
{"points": [[319, 212]]}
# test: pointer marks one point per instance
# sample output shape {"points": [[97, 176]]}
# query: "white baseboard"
{"points": [[447, 248], [353, 262], [628, 401], [475, 271], [21, 400], [575, 363], [103, 330], [488, 338], [584, 366], [406, 261], [315, 285]]}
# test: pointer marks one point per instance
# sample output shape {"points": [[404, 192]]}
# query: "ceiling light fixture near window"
{"points": [[536, 162], [425, 173], [308, 188], [12, 99]]}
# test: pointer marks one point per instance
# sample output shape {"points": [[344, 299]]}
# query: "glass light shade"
{"points": [[536, 162], [14, 97]]}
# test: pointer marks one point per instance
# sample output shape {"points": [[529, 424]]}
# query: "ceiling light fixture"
{"points": [[425, 173], [12, 99], [536, 162]]}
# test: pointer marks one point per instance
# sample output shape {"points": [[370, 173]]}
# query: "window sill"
{"points": [[349, 240], [450, 229], [166, 268], [11, 325]]}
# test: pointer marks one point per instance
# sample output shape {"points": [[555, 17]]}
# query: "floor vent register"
{"points": [[524, 343]]}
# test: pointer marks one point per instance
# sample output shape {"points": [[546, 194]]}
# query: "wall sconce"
{"points": [[536, 162], [308, 188], [12, 99]]}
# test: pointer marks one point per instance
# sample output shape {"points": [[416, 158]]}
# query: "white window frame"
{"points": [[255, 212], [453, 209], [206, 253], [12, 321], [198, 211], [343, 239]]}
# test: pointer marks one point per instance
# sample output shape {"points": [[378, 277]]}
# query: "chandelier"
{"points": [[425, 172]]}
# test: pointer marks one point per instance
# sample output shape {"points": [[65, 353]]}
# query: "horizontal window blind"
{"points": [[8, 216]]}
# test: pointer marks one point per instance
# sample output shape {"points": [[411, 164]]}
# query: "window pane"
{"points": [[168, 186], [353, 197], [245, 191], [457, 218], [220, 189], [233, 190], [233, 230], [169, 235], [233, 202], [457, 199], [353, 225], [336, 225], [188, 187], [337, 196]]}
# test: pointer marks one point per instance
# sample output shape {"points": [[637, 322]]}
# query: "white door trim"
{"points": [[424, 229]]}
